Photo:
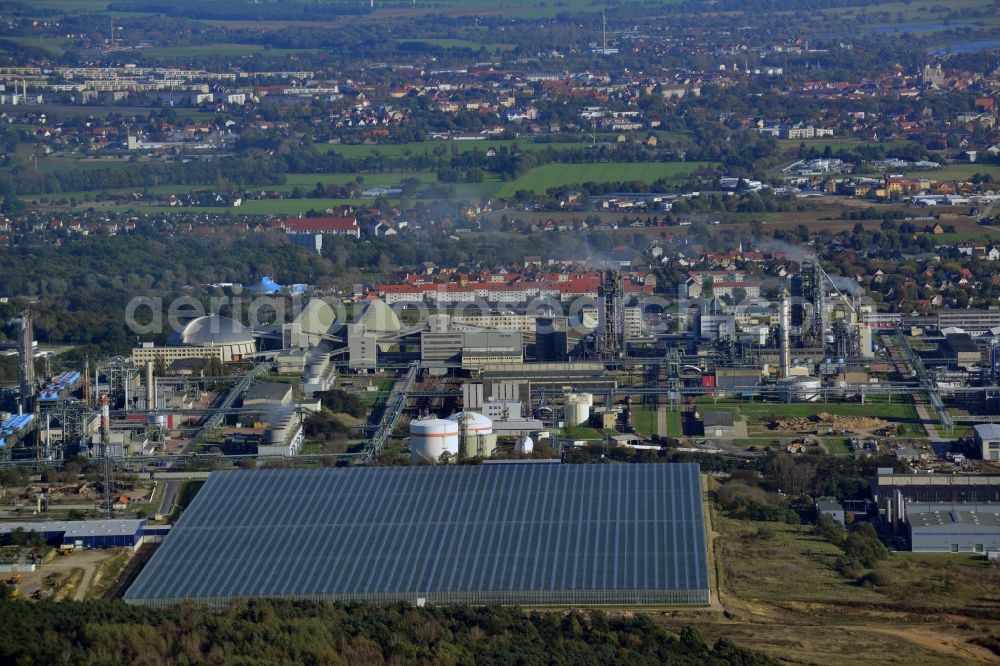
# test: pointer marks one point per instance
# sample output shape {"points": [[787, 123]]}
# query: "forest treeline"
{"points": [[292, 632]]}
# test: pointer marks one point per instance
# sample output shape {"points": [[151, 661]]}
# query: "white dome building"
{"points": [[524, 445], [214, 335]]}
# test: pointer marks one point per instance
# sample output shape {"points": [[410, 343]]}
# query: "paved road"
{"points": [[169, 495], [929, 422]]}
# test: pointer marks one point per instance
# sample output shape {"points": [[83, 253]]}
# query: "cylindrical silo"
{"points": [[577, 408], [429, 438], [475, 434], [524, 445]]}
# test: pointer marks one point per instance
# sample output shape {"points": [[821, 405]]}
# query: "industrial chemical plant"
{"points": [[520, 355], [507, 368]]}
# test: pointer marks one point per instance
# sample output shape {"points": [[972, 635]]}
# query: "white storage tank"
{"points": [[801, 389], [429, 438], [524, 445], [577, 409], [475, 434]]}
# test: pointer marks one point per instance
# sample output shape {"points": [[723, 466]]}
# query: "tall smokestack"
{"points": [[105, 413], [785, 321], [150, 387], [26, 363]]}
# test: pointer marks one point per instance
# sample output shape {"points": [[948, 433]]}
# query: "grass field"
{"points": [[369, 179], [794, 564], [544, 177], [645, 421], [55, 45], [66, 163], [106, 573], [782, 596], [584, 432], [760, 414], [958, 172]]}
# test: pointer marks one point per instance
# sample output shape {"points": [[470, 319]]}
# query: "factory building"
{"points": [[319, 374], [718, 423], [974, 322], [443, 347], [285, 435], [953, 528], [83, 533], [469, 534], [988, 440], [268, 395], [491, 348], [212, 336], [471, 350], [506, 322], [362, 348], [737, 379], [961, 350], [826, 506], [552, 339], [895, 495], [716, 326]]}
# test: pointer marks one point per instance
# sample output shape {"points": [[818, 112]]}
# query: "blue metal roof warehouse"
{"points": [[510, 534], [83, 533]]}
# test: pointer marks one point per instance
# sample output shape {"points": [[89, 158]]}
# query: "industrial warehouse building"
{"points": [[529, 533], [953, 528], [988, 440], [83, 533]]}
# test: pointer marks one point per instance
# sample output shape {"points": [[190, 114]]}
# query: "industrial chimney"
{"points": [[785, 321], [150, 387]]}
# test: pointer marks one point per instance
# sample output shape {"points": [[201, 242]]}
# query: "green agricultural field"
{"points": [[55, 45], [958, 172], [50, 164], [309, 180], [987, 234], [915, 13], [418, 148], [91, 194], [71, 6], [542, 178]]}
